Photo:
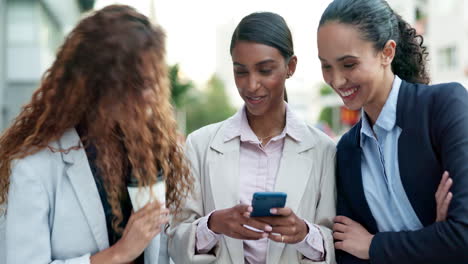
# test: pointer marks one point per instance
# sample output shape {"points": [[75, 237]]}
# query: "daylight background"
{"points": [[198, 36]]}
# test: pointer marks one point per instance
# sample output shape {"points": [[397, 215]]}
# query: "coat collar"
{"points": [[293, 173], [82, 180]]}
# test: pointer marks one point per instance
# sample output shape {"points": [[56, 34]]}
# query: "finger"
{"points": [[443, 210], [338, 227], [257, 224], [339, 245], [242, 208], [272, 220], [286, 211], [344, 220], [281, 238], [442, 183], [284, 230], [446, 187], [339, 236], [248, 234]]}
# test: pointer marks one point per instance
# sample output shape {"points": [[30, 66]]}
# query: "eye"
{"points": [[265, 71], [240, 73], [349, 65], [326, 66]]}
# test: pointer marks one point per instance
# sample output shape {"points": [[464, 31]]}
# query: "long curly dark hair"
{"points": [[110, 78], [378, 23]]}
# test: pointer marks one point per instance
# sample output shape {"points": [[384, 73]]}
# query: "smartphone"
{"points": [[262, 202]]}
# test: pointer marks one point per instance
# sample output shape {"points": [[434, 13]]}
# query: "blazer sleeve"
{"points": [[441, 242], [27, 233], [343, 208], [326, 206], [182, 230]]}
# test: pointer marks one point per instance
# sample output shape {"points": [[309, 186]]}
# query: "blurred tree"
{"points": [[179, 88], [326, 115], [208, 106]]}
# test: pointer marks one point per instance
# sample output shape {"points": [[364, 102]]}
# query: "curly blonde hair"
{"points": [[110, 78]]}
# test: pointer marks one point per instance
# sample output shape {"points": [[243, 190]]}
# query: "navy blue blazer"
{"points": [[434, 138]]}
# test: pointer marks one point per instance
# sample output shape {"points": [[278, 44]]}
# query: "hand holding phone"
{"points": [[262, 202]]}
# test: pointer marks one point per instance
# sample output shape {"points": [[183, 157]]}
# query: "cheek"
{"points": [[326, 76]]}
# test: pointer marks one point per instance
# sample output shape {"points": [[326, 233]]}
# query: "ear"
{"points": [[388, 52], [291, 67]]}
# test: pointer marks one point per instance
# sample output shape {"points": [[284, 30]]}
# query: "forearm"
{"points": [[108, 256], [443, 242]]}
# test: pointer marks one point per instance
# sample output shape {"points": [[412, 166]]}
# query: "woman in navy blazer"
{"points": [[393, 205], [100, 117]]}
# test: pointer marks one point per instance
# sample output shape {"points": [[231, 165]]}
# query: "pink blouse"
{"points": [[258, 169]]}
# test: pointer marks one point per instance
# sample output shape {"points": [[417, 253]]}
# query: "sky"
{"points": [[195, 29], [199, 33]]}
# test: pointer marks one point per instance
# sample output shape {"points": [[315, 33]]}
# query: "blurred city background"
{"points": [[199, 32]]}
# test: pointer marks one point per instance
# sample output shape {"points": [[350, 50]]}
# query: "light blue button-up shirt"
{"points": [[383, 189]]}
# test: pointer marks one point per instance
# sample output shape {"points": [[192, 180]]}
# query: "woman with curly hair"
{"points": [[100, 116], [392, 162]]}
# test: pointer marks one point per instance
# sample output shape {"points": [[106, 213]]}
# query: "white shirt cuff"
{"points": [[206, 239], [312, 245]]}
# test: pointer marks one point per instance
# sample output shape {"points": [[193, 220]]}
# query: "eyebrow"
{"points": [[342, 58], [256, 64]]}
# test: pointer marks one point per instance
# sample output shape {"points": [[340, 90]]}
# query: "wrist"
{"points": [[117, 254], [305, 231], [210, 222]]}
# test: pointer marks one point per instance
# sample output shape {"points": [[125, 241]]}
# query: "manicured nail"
{"points": [[268, 228], [273, 211], [249, 209]]}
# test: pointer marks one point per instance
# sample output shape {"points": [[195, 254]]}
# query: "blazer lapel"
{"points": [[293, 174], [349, 162], [223, 171], [83, 183]]}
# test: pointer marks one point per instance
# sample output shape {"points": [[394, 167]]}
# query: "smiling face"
{"points": [[351, 65], [260, 73]]}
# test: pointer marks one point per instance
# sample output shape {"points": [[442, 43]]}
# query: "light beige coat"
{"points": [[306, 174]]}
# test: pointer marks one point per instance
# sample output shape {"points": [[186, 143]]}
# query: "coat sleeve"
{"points": [[441, 242], [343, 208], [27, 230], [182, 230], [326, 206]]}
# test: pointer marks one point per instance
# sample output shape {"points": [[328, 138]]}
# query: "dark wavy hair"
{"points": [[378, 23], [110, 80], [265, 28]]}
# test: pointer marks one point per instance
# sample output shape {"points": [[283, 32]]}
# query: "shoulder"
{"points": [[41, 166], [205, 135], [349, 138], [322, 140], [433, 93]]}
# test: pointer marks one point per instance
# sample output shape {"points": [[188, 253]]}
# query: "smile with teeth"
{"points": [[348, 92]]}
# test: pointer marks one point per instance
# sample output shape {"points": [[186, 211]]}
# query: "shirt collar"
{"points": [[387, 117], [238, 126]]}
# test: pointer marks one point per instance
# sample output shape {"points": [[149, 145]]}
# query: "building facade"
{"points": [[31, 31]]}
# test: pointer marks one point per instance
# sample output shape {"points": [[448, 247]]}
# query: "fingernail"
{"points": [[273, 211], [249, 209], [268, 228]]}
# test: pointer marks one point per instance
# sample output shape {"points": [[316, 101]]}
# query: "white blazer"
{"points": [[306, 174], [54, 212]]}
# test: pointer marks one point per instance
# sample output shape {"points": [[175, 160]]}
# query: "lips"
{"points": [[255, 99], [348, 92]]}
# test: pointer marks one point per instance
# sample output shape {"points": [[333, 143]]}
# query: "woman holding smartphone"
{"points": [[264, 147], [394, 205], [100, 116]]}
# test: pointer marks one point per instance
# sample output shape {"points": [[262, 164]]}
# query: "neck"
{"points": [[374, 107], [268, 125]]}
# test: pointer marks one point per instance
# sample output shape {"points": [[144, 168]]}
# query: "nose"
{"points": [[338, 80], [254, 83]]}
